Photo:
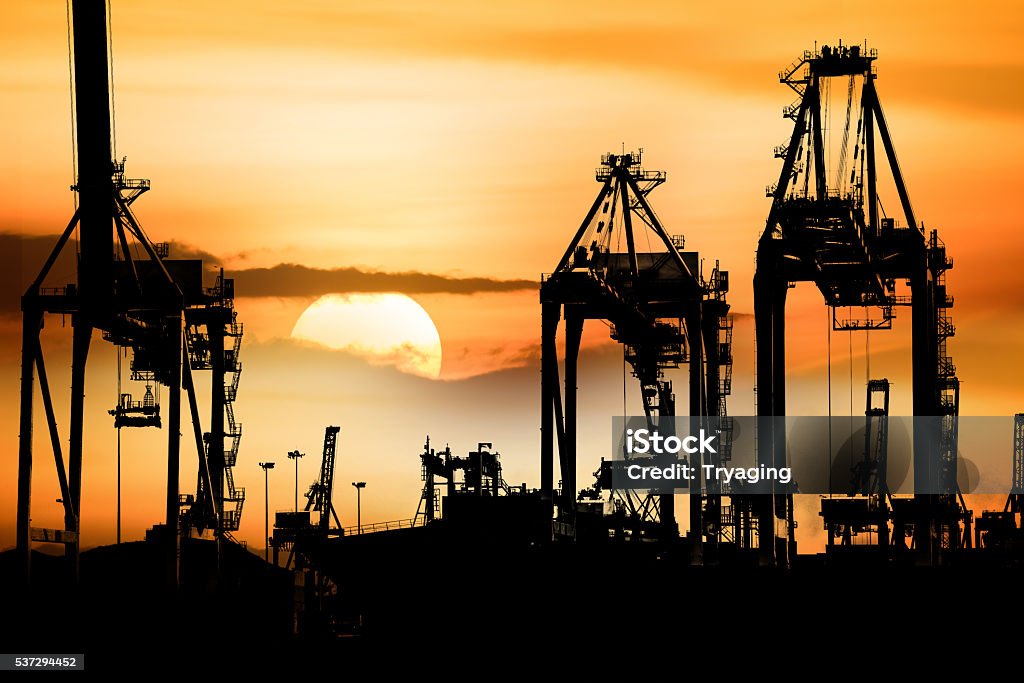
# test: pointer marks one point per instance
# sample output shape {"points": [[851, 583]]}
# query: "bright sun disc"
{"points": [[385, 329]]}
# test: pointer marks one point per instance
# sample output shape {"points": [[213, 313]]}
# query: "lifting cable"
{"points": [[826, 125], [841, 166], [851, 398], [810, 147], [867, 356], [863, 149], [624, 413], [117, 410], [706, 412], [828, 345]]}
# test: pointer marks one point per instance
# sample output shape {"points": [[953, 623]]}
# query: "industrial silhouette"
{"points": [[159, 308], [481, 553]]}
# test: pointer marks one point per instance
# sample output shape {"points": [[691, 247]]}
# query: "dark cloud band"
{"points": [[22, 255], [289, 279]]}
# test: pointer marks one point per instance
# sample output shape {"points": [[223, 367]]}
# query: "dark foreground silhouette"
{"points": [[476, 600]]}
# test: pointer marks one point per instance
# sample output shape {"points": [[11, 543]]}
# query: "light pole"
{"points": [[295, 455], [360, 485], [267, 466]]}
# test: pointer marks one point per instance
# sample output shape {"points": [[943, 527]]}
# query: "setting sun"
{"points": [[385, 329]]}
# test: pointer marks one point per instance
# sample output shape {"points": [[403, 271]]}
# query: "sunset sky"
{"points": [[446, 150]]}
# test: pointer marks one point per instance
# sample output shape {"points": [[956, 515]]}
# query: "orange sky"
{"points": [[459, 138]]}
